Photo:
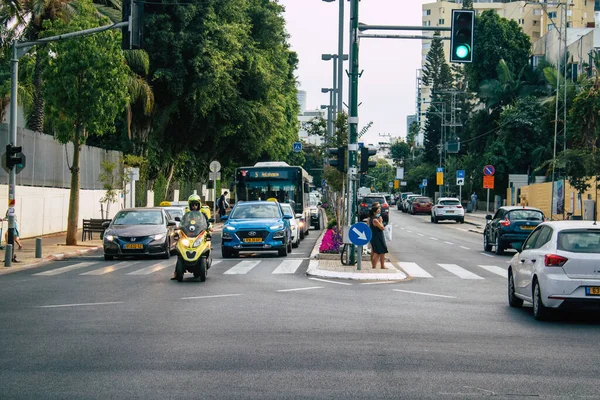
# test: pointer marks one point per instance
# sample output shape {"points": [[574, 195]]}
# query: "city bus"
{"points": [[278, 180]]}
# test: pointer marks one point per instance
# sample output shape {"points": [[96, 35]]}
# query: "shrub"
{"points": [[332, 242]]}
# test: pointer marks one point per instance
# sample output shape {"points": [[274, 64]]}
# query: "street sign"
{"points": [[460, 181], [488, 182], [323, 182], [439, 178], [420, 186], [215, 166], [424, 182], [391, 184], [360, 234], [489, 170], [460, 173], [297, 147], [403, 183], [214, 176], [439, 169], [400, 173]]}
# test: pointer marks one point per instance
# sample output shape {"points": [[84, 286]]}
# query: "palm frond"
{"points": [[113, 14], [138, 61]]}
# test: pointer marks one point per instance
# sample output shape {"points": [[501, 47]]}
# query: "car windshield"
{"points": [[138, 217], [176, 212], [371, 200], [255, 211], [450, 202], [287, 209], [422, 200], [527, 215], [580, 241]]}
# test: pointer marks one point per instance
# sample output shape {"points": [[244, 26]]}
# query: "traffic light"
{"points": [[365, 153], [461, 37], [133, 34], [340, 162], [14, 157]]}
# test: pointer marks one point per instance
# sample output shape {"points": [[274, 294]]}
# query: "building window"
{"points": [[426, 23], [550, 27], [426, 12], [552, 14], [441, 21]]}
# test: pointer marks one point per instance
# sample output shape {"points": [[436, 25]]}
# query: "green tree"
{"points": [[436, 71], [85, 89], [399, 151], [467, 4]]}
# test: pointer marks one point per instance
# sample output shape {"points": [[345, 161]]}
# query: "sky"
{"points": [[388, 84]]}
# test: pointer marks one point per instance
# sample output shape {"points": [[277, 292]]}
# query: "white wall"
{"points": [[41, 211]]}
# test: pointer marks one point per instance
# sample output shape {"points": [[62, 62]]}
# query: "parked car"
{"points": [[366, 203], [256, 226], [401, 199], [510, 224], [294, 223], [315, 214], [421, 205], [448, 208], [140, 231], [557, 267], [407, 202]]}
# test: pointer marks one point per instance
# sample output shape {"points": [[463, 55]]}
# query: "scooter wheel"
{"points": [[179, 270], [201, 269]]}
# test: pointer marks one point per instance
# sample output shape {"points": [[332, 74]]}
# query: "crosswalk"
{"points": [[288, 266]]}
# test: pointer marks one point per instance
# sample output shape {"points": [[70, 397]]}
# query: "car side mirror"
{"points": [[211, 220], [299, 215], [489, 217], [105, 224], [224, 218], [177, 219], [171, 223], [287, 216]]}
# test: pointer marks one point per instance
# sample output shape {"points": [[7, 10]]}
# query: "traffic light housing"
{"points": [[461, 37], [365, 153], [133, 34], [340, 162], [14, 156]]}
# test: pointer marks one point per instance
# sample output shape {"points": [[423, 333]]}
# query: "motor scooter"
{"points": [[194, 246]]}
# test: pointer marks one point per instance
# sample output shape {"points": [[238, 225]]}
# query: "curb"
{"points": [[47, 259], [313, 270]]}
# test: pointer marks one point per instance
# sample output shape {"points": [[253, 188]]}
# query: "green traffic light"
{"points": [[462, 51]]}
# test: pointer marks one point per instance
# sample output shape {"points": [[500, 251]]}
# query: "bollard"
{"points": [[8, 255], [38, 247]]}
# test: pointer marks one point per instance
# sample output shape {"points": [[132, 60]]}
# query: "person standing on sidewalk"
{"points": [[223, 205], [474, 201], [15, 237], [378, 246]]}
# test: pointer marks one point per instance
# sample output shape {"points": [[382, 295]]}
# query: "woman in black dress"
{"points": [[378, 246]]}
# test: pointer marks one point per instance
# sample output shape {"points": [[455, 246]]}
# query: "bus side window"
{"points": [[306, 187]]}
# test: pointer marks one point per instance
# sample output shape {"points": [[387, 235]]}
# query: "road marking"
{"points": [[211, 297], [409, 231], [150, 269], [420, 234], [412, 269], [215, 262], [466, 248], [495, 270], [487, 255], [377, 283], [448, 242], [110, 268], [62, 270], [243, 267], [287, 267], [424, 294], [325, 280], [297, 289], [81, 304], [459, 271], [432, 238]]}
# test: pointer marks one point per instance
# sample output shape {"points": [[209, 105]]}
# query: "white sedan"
{"points": [[558, 266], [448, 208], [294, 223]]}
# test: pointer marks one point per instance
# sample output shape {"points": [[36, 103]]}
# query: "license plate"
{"points": [[528, 228], [592, 291], [252, 240], [134, 246], [450, 212]]}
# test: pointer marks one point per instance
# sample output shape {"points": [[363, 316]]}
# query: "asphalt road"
{"points": [[260, 328]]}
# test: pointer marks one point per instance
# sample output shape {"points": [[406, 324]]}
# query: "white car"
{"points": [[448, 208], [558, 266], [294, 223]]}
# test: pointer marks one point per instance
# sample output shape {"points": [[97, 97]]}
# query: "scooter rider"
{"points": [[194, 211]]}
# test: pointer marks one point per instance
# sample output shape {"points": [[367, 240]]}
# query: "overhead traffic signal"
{"points": [[365, 153], [340, 162], [461, 37], [133, 34], [14, 156]]}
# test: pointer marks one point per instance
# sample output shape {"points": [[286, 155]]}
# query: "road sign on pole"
{"points": [[460, 173], [489, 170], [215, 166], [360, 234], [297, 147], [424, 182]]}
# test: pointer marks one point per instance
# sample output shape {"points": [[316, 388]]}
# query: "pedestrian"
{"points": [[222, 204], [474, 201], [15, 236], [378, 246]]}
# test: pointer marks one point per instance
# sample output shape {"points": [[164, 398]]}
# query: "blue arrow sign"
{"points": [[297, 147], [420, 186], [360, 234], [460, 173]]}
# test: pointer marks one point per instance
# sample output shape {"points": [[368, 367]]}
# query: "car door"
{"points": [[529, 256], [493, 225]]}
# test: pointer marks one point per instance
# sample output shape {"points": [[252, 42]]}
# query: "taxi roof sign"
{"points": [[165, 204]]}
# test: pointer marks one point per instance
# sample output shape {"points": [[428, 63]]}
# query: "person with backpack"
{"points": [[222, 204]]}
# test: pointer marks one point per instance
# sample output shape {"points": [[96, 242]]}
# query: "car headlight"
{"points": [[109, 238], [300, 224], [226, 235], [276, 227], [229, 228], [279, 235], [198, 242], [185, 242], [159, 236]]}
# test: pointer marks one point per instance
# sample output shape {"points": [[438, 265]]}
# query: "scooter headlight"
{"points": [[185, 242], [198, 242]]}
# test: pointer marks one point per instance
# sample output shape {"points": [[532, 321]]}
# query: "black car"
{"points": [[140, 231], [510, 224], [367, 201]]}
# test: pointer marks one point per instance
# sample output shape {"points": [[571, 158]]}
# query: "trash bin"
{"points": [[468, 206]]}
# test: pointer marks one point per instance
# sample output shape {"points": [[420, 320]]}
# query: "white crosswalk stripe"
{"points": [[459, 271], [62, 270], [242, 268], [151, 269], [110, 268], [287, 267], [496, 270], [412, 269]]}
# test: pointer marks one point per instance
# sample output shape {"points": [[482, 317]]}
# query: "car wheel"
{"points": [[289, 246], [179, 270], [108, 258], [486, 245], [499, 246], [167, 254], [282, 252], [225, 253], [296, 243], [301, 234], [540, 311], [432, 220], [436, 220], [307, 232], [513, 300], [461, 220]]}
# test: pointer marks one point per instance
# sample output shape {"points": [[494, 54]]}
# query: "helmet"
{"points": [[194, 199]]}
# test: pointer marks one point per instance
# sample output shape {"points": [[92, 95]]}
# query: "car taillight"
{"points": [[554, 260], [363, 204], [439, 206], [385, 206], [458, 206], [505, 222]]}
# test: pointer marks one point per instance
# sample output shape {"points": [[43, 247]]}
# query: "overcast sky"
{"points": [[387, 86]]}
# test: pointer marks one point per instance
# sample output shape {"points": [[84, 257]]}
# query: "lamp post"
{"points": [[337, 100], [330, 112], [340, 66]]}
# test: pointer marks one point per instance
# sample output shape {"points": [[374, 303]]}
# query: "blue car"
{"points": [[256, 226]]}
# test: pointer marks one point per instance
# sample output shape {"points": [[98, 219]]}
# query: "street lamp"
{"points": [[335, 57], [340, 65], [330, 113], [329, 124]]}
